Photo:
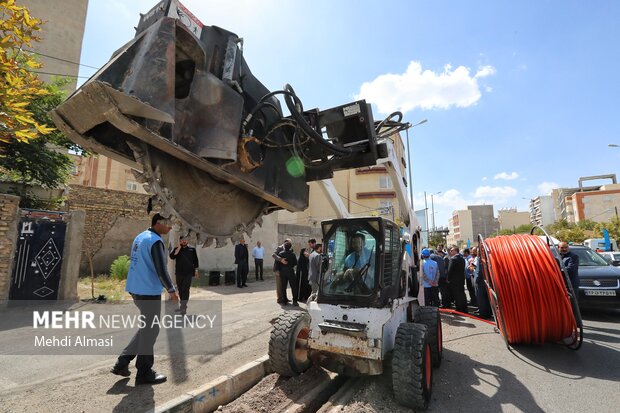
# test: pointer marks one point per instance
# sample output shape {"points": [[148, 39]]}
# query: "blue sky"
{"points": [[520, 96]]}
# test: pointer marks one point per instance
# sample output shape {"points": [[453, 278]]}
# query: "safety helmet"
{"points": [[426, 253]]}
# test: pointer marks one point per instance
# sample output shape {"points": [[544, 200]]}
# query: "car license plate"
{"points": [[600, 292]]}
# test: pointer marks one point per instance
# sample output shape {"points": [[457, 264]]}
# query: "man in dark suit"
{"points": [[287, 272], [186, 267], [456, 279], [241, 259]]}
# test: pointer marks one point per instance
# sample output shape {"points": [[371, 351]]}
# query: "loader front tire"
{"points": [[429, 316], [288, 343], [412, 372]]}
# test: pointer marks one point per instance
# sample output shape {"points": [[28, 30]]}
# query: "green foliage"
{"points": [[505, 231], [587, 224], [120, 268], [613, 227], [19, 83], [573, 234], [436, 239], [42, 161]]}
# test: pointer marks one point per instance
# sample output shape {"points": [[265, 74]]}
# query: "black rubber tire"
{"points": [[285, 358], [429, 316], [412, 377]]}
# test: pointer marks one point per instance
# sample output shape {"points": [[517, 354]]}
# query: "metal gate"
{"points": [[38, 256]]}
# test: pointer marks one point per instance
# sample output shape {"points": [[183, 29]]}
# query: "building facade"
{"points": [[542, 211], [483, 220], [61, 37], [510, 218], [461, 228]]}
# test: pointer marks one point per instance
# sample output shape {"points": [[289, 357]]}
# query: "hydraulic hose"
{"points": [[529, 294]]}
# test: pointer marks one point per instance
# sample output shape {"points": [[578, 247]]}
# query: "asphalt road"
{"points": [[478, 374]]}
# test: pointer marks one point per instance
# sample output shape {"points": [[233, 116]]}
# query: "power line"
{"points": [[58, 74], [62, 60]]}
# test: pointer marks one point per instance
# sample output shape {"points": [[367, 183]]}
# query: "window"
{"points": [[132, 186], [351, 252], [385, 182]]}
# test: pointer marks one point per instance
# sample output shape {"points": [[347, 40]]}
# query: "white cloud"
{"points": [[506, 176], [494, 194], [484, 178], [425, 89], [546, 187]]}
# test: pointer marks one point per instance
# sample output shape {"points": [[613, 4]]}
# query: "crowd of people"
{"points": [[446, 275], [299, 272]]}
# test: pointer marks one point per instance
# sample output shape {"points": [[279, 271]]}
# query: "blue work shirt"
{"points": [[143, 278], [430, 272]]}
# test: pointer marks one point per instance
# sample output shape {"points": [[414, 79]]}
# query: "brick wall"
{"points": [[107, 211], [9, 219]]}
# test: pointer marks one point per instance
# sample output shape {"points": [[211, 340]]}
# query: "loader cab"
{"points": [[365, 259]]}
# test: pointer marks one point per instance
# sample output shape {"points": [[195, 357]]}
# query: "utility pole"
{"points": [[426, 216]]}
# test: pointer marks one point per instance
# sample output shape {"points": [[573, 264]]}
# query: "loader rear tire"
{"points": [[412, 373], [288, 343], [429, 316]]}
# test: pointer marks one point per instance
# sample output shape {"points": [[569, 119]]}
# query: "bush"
{"points": [[120, 268]]}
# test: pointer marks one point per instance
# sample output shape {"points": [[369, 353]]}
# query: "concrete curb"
{"points": [[222, 390]]}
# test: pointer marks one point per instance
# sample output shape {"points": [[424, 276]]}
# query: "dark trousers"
{"points": [[446, 295], [457, 290], [286, 279], [258, 268], [141, 345], [184, 282], [472, 291], [431, 296], [482, 299], [242, 273]]}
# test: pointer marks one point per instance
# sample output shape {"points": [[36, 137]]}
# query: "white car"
{"points": [[613, 257]]}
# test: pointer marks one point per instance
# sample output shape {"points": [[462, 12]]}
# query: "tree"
{"points": [[42, 161], [18, 83], [613, 227], [436, 239]]}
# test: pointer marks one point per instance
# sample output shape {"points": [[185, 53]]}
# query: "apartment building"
{"points": [[61, 37], [542, 210]]}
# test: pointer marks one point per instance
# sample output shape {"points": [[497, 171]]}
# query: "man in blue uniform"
{"points": [[145, 280]]}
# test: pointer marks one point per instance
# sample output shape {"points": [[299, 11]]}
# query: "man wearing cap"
{"points": [[147, 275], [430, 275], [186, 266]]}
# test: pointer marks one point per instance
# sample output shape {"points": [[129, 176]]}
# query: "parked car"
{"points": [[612, 257], [599, 280]]}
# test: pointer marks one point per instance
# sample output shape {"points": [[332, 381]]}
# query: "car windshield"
{"points": [[589, 258], [351, 253]]}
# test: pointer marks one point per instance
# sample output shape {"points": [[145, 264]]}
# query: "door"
{"points": [[38, 257]]}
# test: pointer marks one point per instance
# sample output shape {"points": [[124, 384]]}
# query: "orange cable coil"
{"points": [[533, 305]]}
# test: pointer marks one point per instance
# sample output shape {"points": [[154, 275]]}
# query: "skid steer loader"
{"points": [[366, 309]]}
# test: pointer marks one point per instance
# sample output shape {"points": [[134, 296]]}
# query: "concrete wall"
{"points": [[9, 220], [71, 255], [212, 258], [512, 219]]}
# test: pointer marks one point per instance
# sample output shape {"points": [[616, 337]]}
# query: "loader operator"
{"points": [[358, 276]]}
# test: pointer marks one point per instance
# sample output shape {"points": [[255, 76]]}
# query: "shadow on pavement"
{"points": [[137, 399]]}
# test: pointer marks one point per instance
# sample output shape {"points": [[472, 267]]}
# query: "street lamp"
{"points": [[409, 161]]}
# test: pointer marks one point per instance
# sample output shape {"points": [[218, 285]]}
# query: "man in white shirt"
{"points": [[258, 253]]}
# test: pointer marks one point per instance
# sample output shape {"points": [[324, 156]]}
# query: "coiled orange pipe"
{"points": [[527, 291]]}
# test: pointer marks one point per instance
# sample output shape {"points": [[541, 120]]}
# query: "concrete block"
{"points": [[247, 376], [181, 404], [207, 398]]}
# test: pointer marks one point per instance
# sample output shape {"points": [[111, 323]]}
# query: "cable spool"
{"points": [[531, 297]]}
